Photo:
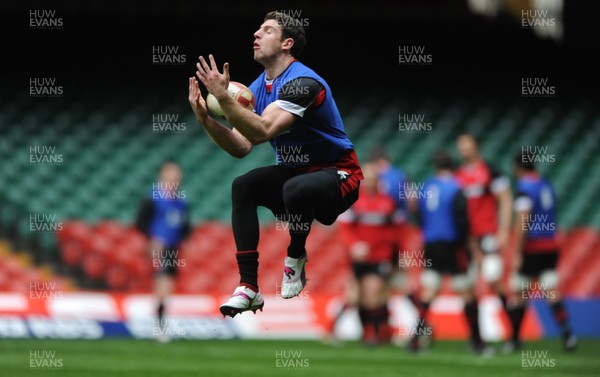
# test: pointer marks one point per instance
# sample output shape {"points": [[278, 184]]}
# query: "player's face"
{"points": [[467, 148], [371, 177], [267, 41], [171, 174]]}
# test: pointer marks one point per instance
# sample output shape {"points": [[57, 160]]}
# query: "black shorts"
{"points": [[534, 264], [395, 257], [167, 262], [326, 191], [342, 202], [294, 195], [382, 269], [447, 257]]}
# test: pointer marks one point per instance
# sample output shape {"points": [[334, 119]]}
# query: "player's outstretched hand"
{"points": [[196, 101], [214, 81]]}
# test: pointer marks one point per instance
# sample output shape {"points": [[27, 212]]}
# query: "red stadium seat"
{"points": [[74, 230], [116, 277], [32, 275], [4, 279], [19, 283], [113, 230], [196, 283], [135, 239], [12, 267], [140, 284], [215, 230], [71, 252], [94, 265]]}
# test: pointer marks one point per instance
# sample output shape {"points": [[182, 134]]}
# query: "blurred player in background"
{"points": [[396, 184], [317, 175], [534, 272], [163, 218], [489, 203], [391, 179], [368, 230], [445, 227]]}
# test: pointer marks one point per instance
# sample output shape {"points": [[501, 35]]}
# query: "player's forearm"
{"points": [[248, 123], [230, 141], [505, 212], [519, 243], [520, 230]]}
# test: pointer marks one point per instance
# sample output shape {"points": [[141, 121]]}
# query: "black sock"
{"points": [[298, 234], [560, 314], [379, 315], [413, 299], [160, 311], [380, 319], [516, 315], [370, 322], [296, 249], [416, 303], [363, 316], [248, 267], [367, 324], [301, 199], [472, 314], [423, 309]]}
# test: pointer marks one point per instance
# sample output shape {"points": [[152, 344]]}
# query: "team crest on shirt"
{"points": [[343, 175]]}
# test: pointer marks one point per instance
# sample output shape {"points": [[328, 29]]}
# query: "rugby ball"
{"points": [[238, 92]]}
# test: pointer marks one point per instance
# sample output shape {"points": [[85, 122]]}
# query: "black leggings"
{"points": [[296, 198]]}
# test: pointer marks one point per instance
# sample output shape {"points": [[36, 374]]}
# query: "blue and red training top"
{"points": [[317, 138]]}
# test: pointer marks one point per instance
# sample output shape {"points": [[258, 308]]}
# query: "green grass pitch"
{"points": [[133, 358]]}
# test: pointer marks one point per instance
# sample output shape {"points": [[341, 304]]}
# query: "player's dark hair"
{"points": [[525, 160], [290, 28], [168, 161], [443, 160]]}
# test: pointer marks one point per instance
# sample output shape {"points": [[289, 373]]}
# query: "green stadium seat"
{"points": [[111, 155]]}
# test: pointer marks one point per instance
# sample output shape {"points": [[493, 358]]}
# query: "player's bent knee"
{"points": [[462, 283], [491, 268], [398, 280], [243, 185], [240, 182], [431, 280], [518, 281], [549, 279], [294, 190]]}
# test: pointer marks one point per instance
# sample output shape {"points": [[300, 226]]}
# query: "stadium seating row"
{"points": [[118, 255], [19, 274], [89, 166], [107, 157]]}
